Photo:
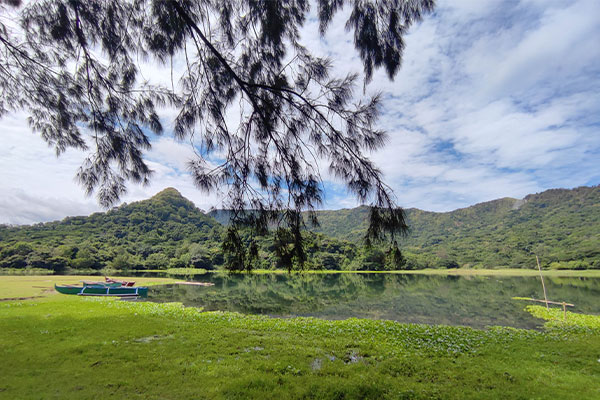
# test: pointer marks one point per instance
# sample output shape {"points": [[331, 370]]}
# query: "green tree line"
{"points": [[167, 231]]}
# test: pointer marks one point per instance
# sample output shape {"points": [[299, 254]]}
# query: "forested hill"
{"points": [[561, 226], [166, 231], [557, 225], [164, 217], [152, 233]]}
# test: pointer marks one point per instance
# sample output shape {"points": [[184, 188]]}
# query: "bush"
{"points": [[574, 264], [156, 261]]}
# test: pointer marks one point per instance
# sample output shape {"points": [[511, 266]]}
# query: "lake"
{"points": [[476, 301]]}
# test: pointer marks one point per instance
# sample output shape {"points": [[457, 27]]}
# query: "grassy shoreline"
{"points": [[58, 347], [590, 273], [30, 286]]}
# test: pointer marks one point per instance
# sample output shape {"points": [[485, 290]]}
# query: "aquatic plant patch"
{"points": [[570, 322]]}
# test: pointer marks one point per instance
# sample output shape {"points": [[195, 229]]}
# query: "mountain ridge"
{"points": [[171, 191], [557, 224], [562, 226]]}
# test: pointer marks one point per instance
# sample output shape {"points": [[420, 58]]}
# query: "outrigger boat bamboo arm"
{"points": [[111, 295], [560, 303]]}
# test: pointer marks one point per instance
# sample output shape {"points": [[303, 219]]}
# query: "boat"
{"points": [[111, 284], [123, 283], [102, 290]]}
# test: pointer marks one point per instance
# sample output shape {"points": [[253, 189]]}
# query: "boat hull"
{"points": [[119, 291]]}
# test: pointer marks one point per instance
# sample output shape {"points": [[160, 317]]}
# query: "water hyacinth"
{"points": [[416, 338], [560, 327]]}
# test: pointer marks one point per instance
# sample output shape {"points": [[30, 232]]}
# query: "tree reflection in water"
{"points": [[477, 301]]}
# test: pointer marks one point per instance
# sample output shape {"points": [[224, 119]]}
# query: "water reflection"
{"points": [[476, 301]]}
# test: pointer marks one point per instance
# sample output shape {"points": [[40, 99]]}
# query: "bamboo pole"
{"points": [[542, 277], [561, 303]]}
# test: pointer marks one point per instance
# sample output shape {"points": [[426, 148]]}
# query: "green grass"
{"points": [[61, 347], [590, 273], [180, 271], [25, 271]]}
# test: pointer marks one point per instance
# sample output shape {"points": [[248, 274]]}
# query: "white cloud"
{"points": [[17, 206], [503, 103], [169, 152], [494, 99], [37, 186]]}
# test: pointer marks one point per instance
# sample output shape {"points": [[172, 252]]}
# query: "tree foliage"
{"points": [[262, 111]]}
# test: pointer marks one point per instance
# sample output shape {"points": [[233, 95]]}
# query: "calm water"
{"points": [[473, 301]]}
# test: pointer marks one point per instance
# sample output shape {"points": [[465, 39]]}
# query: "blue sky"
{"points": [[494, 99]]}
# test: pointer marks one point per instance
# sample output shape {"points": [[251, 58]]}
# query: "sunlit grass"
{"points": [[179, 271]]}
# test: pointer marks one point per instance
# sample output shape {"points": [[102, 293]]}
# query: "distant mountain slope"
{"points": [[557, 225], [347, 224], [221, 216]]}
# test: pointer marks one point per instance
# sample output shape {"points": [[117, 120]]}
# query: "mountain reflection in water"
{"points": [[476, 301]]}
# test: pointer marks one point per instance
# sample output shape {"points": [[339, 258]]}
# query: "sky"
{"points": [[494, 99]]}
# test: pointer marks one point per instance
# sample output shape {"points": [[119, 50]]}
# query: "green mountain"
{"points": [[558, 225], [561, 226], [155, 233], [166, 231]]}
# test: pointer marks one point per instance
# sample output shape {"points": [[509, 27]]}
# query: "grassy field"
{"points": [[58, 347]]}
